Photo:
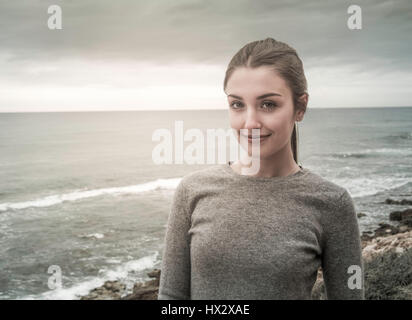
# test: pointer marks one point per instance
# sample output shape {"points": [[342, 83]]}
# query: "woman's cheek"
{"points": [[235, 123]]}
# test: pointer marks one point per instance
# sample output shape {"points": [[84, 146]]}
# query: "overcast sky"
{"points": [[127, 55]]}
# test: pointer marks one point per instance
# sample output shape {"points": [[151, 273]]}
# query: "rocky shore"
{"points": [[387, 245], [115, 290]]}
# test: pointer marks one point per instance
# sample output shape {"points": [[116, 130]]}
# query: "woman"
{"points": [[263, 235]]}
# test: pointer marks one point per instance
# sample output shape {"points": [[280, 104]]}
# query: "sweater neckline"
{"points": [[303, 171]]}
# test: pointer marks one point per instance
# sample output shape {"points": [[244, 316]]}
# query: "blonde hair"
{"points": [[285, 61]]}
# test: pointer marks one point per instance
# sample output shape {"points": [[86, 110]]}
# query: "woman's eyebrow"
{"points": [[260, 97]]}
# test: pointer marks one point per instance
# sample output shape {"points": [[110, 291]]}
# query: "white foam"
{"points": [[83, 288], [364, 186], [94, 235], [403, 151], [82, 194], [384, 151]]}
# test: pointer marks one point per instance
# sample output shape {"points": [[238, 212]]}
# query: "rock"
{"points": [[397, 242], [372, 248], [114, 290], [385, 229], [395, 216], [399, 250], [361, 214], [110, 290], [143, 294], [147, 290], [154, 274], [408, 223], [318, 290], [402, 202], [401, 215]]}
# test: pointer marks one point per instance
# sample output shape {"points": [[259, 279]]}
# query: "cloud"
{"points": [[103, 42], [203, 30]]}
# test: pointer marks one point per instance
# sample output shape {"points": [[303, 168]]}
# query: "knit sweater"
{"points": [[233, 236]]}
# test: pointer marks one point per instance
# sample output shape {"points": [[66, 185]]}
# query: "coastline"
{"points": [[388, 239]]}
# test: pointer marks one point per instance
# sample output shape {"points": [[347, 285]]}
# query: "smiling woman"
{"points": [[263, 236], [266, 89]]}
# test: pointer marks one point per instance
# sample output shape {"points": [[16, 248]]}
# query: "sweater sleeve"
{"points": [[342, 263], [175, 270]]}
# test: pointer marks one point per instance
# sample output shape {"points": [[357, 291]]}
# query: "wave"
{"points": [[83, 288], [82, 194], [370, 153], [362, 186], [398, 136], [93, 235]]}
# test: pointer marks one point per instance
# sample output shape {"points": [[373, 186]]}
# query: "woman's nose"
{"points": [[252, 120]]}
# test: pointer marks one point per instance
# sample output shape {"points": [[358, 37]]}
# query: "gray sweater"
{"points": [[232, 236]]}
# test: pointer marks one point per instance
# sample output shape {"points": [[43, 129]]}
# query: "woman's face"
{"points": [[259, 98]]}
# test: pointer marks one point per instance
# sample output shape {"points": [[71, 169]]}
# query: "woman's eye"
{"points": [[234, 103], [269, 105]]}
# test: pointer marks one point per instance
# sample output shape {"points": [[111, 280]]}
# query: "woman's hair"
{"points": [[284, 60]]}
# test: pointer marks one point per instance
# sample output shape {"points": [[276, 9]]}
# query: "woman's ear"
{"points": [[303, 102], [304, 98]]}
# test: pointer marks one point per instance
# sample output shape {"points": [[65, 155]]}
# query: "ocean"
{"points": [[80, 191]]}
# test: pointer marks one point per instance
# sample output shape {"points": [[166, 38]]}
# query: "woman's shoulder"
{"points": [[203, 175], [324, 187], [331, 200], [201, 182], [200, 178]]}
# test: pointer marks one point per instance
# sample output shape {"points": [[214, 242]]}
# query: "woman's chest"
{"points": [[254, 232]]}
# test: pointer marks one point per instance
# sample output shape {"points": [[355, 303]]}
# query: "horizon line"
{"points": [[197, 109]]}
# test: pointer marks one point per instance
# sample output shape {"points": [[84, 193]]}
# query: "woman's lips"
{"points": [[261, 138]]}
